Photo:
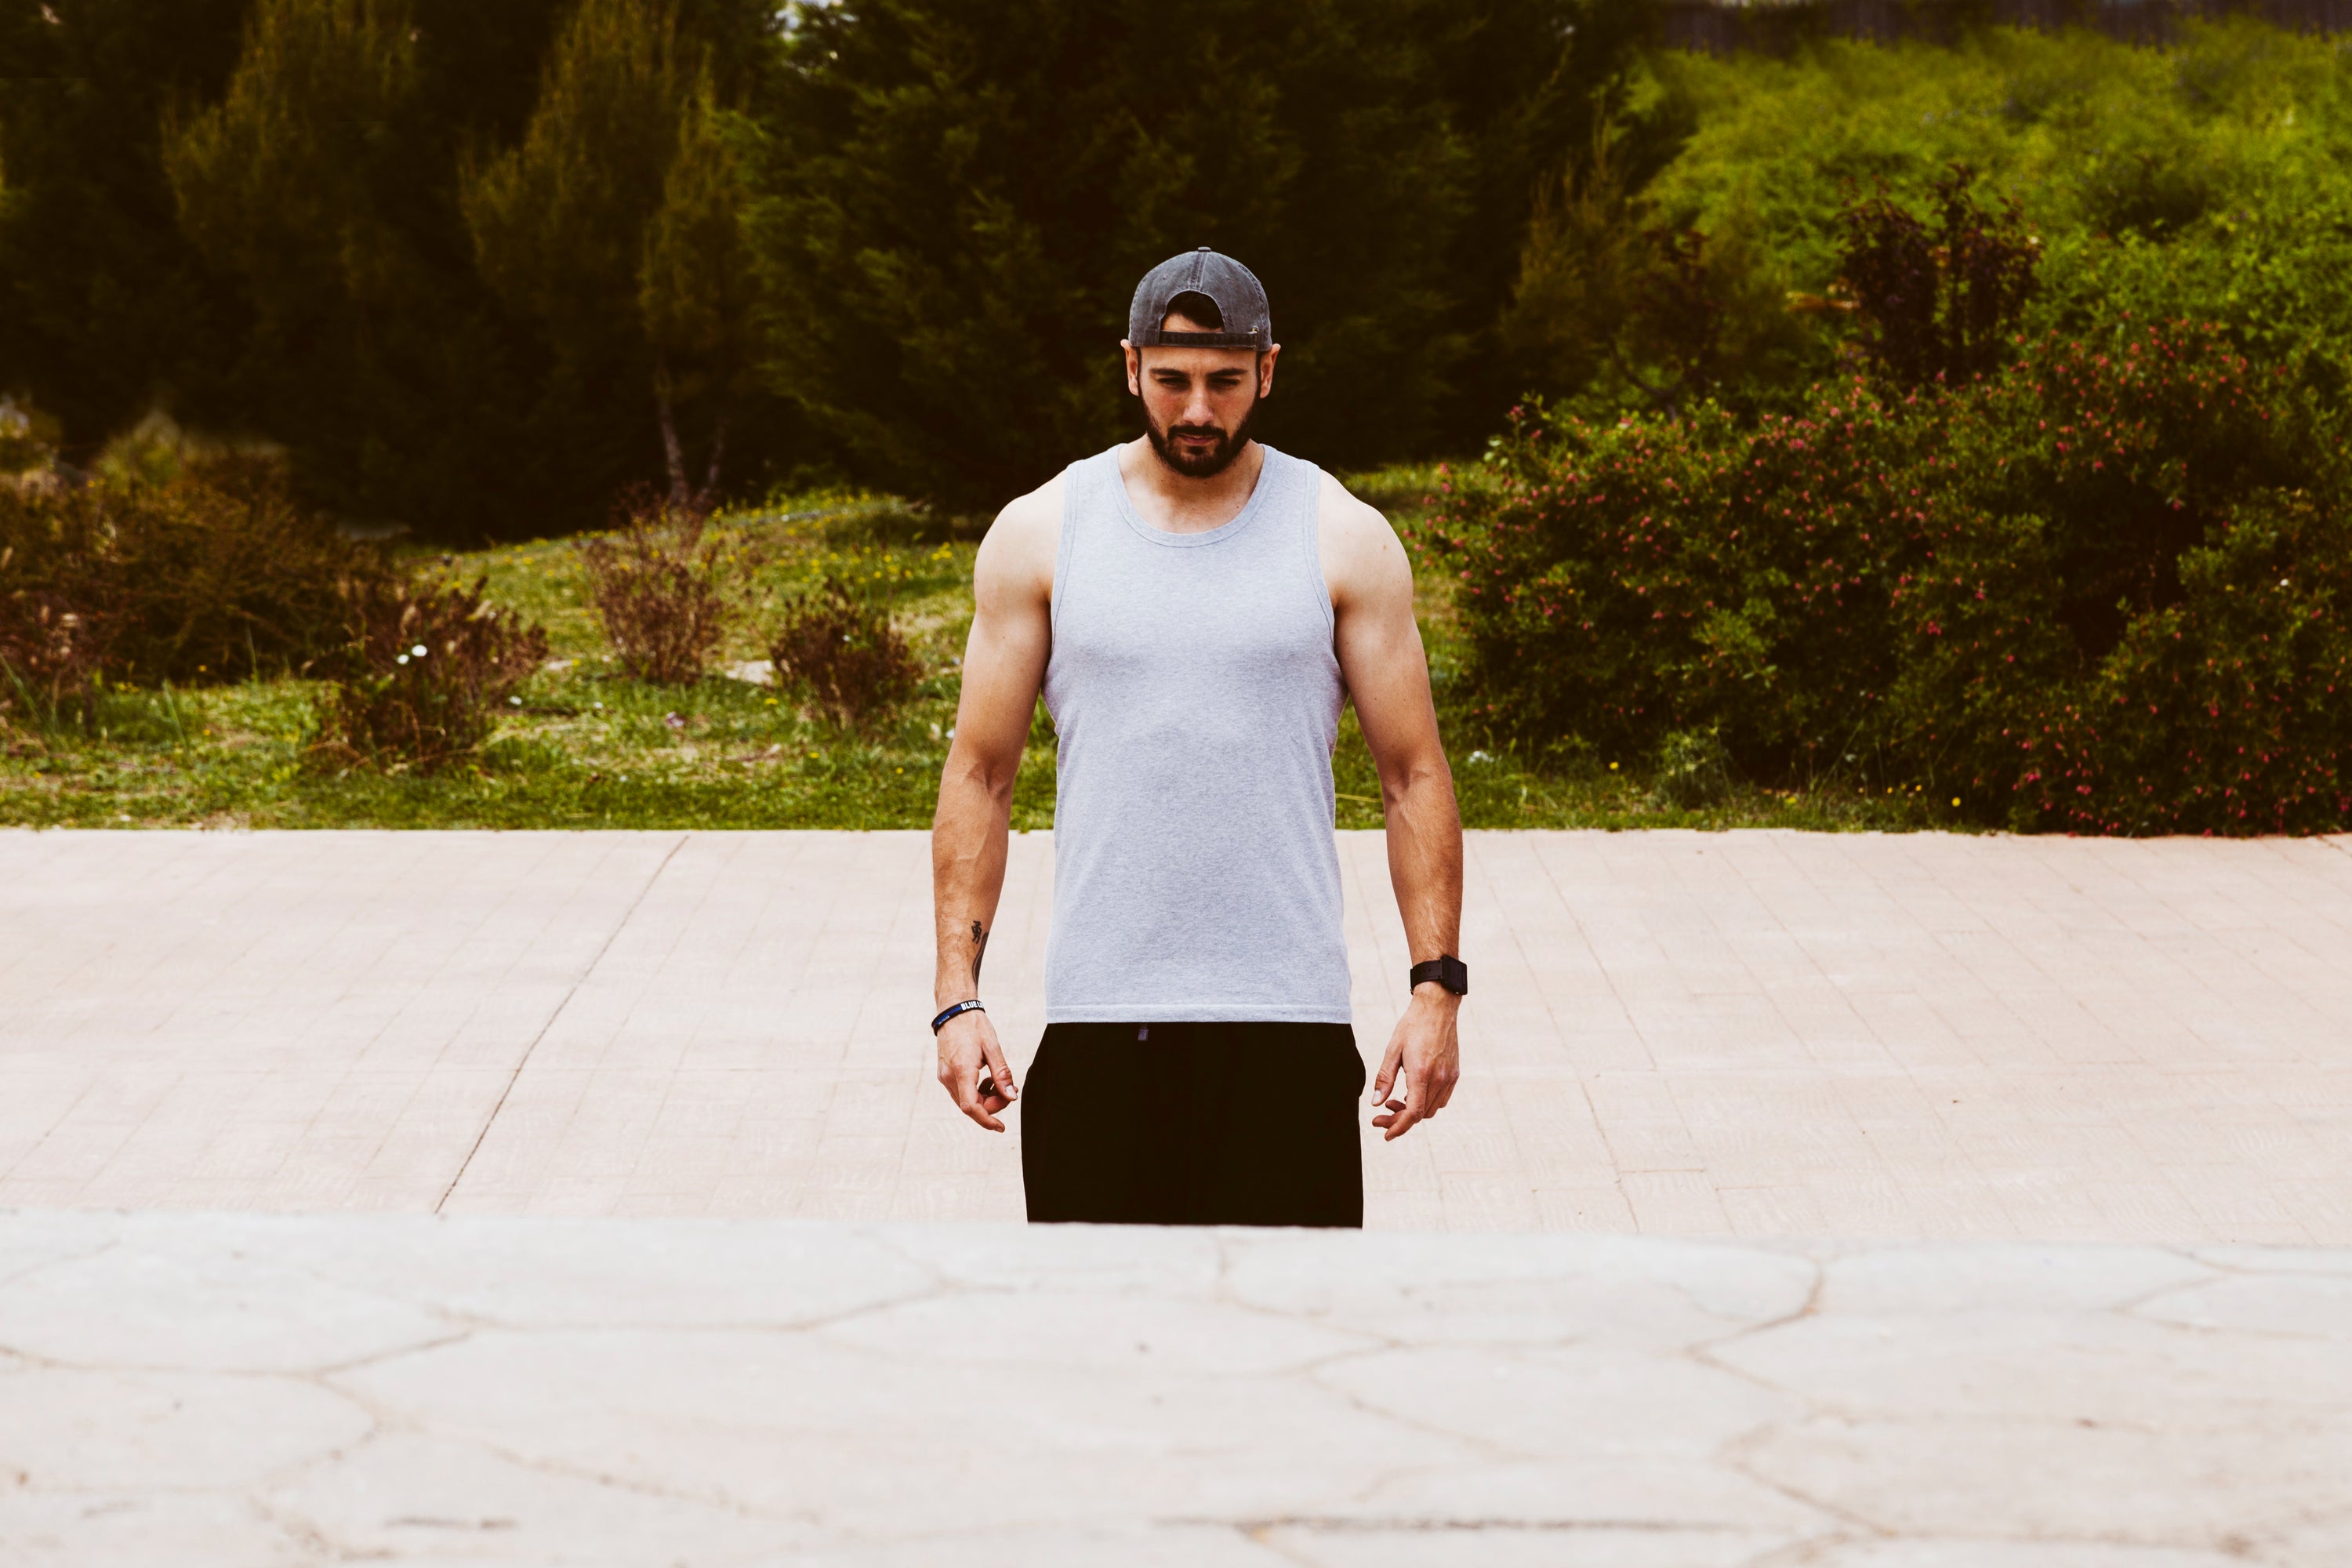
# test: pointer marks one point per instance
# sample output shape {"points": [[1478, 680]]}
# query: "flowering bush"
{"points": [[2098, 591], [1623, 582]]}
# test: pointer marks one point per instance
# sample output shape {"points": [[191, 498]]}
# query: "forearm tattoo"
{"points": [[978, 949]]}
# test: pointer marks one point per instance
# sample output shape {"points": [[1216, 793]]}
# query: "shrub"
{"points": [[28, 437], [1694, 769], [657, 591], [1941, 304], [213, 573], [2093, 591], [420, 682], [49, 657], [1620, 581], [843, 650]]}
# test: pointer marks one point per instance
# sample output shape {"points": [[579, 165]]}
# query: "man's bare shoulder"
{"points": [[1016, 555], [1362, 553]]}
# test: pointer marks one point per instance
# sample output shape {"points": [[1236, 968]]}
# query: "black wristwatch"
{"points": [[1447, 971]]}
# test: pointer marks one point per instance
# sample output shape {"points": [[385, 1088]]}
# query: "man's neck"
{"points": [[1180, 504]]}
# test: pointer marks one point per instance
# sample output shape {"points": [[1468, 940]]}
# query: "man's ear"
{"points": [[1265, 370], [1134, 358]]}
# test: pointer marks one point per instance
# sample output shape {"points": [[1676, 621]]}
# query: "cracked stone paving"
{"points": [[1906, 1202]]}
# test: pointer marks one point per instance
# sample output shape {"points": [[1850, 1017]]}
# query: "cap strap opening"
{"points": [[1163, 337]]}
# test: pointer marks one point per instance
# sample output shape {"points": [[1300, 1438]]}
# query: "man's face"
{"points": [[1198, 403]]}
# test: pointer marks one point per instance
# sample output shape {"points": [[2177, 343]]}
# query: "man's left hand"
{"points": [[1427, 1054]]}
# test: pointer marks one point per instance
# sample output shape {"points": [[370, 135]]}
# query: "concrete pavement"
{"points": [[270, 1391], [1747, 1034], [1993, 1134]]}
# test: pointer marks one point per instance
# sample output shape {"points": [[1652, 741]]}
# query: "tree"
{"points": [[1535, 86], [613, 222], [694, 292], [104, 307], [956, 197], [276, 181], [281, 186], [318, 189], [249, 211]]}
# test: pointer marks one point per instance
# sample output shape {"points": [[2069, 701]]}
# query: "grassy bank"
{"points": [[588, 748]]}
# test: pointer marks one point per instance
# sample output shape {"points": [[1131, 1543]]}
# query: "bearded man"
{"points": [[1196, 608]]}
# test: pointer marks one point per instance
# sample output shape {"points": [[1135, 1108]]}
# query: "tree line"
{"points": [[479, 269]]}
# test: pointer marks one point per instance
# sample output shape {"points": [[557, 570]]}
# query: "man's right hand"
{"points": [[969, 1052]]}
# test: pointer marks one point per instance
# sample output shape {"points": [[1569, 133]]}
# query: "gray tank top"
{"points": [[1196, 694]]}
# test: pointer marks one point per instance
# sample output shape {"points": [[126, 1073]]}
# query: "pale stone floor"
{"points": [[2029, 1164], [263, 1391], [1751, 1034]]}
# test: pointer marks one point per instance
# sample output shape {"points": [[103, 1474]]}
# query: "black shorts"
{"points": [[1194, 1124]]}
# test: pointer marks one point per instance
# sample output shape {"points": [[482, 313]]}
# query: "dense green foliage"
{"points": [[252, 213], [2097, 590], [1969, 424], [477, 267], [958, 196], [1964, 424], [2210, 180], [101, 299], [613, 227]]}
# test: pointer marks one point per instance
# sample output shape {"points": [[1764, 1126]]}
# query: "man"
{"points": [[1196, 608]]}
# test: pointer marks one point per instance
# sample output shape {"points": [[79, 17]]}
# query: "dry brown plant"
{"points": [[843, 650], [655, 584]]}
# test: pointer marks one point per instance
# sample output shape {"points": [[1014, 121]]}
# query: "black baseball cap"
{"points": [[1239, 297]]}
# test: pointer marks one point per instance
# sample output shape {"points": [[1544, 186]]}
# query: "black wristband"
{"points": [[1447, 970], [960, 1008]]}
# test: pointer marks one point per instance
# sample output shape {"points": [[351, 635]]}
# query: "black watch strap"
{"points": [[1447, 971]]}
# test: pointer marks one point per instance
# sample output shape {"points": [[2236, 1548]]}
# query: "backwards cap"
{"points": [[1240, 299]]}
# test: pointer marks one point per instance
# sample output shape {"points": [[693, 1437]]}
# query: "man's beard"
{"points": [[1203, 464]]}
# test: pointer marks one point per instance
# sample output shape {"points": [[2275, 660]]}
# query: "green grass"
{"points": [[587, 748]]}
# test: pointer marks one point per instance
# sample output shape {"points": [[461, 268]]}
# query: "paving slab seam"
{"points": [[587, 970]]}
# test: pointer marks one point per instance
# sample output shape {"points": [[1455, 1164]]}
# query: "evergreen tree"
{"points": [[958, 195], [613, 223], [281, 186], [278, 180], [319, 188], [250, 211], [104, 307], [694, 292], [479, 265]]}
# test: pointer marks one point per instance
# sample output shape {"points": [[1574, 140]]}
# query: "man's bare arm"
{"points": [[1387, 672], [1003, 664]]}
